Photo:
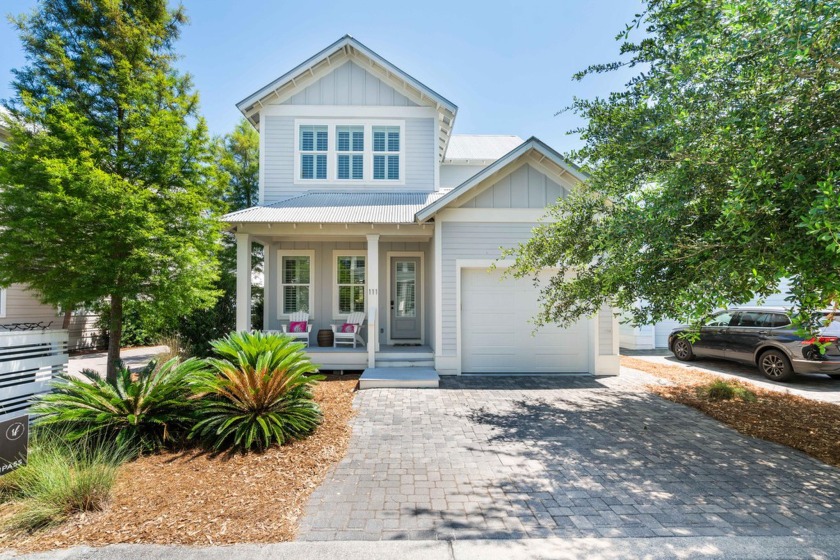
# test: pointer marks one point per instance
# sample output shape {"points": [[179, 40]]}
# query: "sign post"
{"points": [[14, 441]]}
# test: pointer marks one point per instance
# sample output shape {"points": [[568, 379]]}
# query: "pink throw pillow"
{"points": [[297, 326], [348, 327]]}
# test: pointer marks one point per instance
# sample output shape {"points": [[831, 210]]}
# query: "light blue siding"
{"points": [[350, 84], [279, 146], [526, 187], [470, 241]]}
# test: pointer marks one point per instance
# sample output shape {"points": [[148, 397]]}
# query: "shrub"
{"points": [[722, 390], [141, 411], [176, 346], [260, 393], [61, 479]]}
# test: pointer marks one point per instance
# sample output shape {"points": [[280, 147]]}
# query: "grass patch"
{"points": [[722, 390], [60, 480]]}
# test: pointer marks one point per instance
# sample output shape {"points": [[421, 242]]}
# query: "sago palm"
{"points": [[259, 394], [142, 411]]}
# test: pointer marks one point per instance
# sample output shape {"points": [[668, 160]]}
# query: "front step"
{"points": [[404, 378], [405, 359]]}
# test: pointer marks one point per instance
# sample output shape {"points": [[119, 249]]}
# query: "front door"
{"points": [[405, 298]]}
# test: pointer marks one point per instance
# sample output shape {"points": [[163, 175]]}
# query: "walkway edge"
{"points": [[746, 548]]}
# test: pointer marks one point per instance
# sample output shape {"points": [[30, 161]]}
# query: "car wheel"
{"points": [[682, 350], [775, 366]]}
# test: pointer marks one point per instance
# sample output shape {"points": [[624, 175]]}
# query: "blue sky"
{"points": [[506, 64]]}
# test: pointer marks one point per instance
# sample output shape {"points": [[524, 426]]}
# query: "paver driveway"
{"points": [[536, 457]]}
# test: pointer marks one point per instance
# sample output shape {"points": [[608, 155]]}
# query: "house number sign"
{"points": [[14, 441]]}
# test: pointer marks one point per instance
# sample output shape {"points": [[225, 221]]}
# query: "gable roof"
{"points": [[479, 148], [304, 74], [532, 143], [339, 208]]}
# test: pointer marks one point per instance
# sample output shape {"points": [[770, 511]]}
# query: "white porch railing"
{"points": [[28, 362]]}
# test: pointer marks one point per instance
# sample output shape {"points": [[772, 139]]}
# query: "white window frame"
{"points": [[4, 292], [280, 292], [347, 253], [315, 152], [351, 153], [332, 152], [387, 154]]}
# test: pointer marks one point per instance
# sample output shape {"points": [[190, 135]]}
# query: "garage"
{"points": [[497, 337]]}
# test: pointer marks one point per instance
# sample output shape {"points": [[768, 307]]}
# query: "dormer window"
{"points": [[350, 148], [314, 144], [386, 153]]}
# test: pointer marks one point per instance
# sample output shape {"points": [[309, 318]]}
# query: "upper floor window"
{"points": [[386, 153], [350, 148], [349, 151], [314, 144]]}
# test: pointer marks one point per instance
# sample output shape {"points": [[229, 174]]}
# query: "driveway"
{"points": [[524, 457], [134, 358], [811, 386]]}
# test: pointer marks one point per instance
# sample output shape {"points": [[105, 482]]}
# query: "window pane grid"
{"points": [[295, 284], [386, 139], [351, 284], [313, 139]]}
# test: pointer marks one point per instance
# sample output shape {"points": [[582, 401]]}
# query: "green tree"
{"points": [[236, 157], [107, 192], [714, 173]]}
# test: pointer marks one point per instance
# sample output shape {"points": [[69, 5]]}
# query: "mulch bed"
{"points": [[191, 498], [804, 424]]}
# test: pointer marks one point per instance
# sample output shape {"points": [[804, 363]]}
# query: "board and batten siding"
{"points": [[350, 84], [526, 187], [278, 161]]}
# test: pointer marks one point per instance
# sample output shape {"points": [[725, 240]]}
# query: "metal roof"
{"points": [[480, 147], [339, 208]]}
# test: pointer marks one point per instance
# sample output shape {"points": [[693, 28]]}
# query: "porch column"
{"points": [[372, 273], [243, 282]]}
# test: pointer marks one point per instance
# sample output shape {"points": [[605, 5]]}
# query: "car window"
{"points": [[775, 320], [748, 319], [720, 320]]}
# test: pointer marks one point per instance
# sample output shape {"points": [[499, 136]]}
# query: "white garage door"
{"points": [[496, 335]]}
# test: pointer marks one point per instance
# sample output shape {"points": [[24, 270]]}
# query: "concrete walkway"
{"points": [[816, 386], [133, 357], [538, 457], [745, 548]]}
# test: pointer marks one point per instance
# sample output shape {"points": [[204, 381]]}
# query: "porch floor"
{"points": [[399, 377]]}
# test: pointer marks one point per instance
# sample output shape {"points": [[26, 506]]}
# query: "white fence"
{"points": [[28, 362]]}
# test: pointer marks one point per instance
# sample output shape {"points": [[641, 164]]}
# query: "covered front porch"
{"points": [[332, 270]]}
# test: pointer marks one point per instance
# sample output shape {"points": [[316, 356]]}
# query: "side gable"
{"points": [[350, 84], [524, 187], [532, 175]]}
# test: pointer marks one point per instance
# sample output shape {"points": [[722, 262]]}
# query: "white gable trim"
{"points": [[341, 52], [499, 168]]}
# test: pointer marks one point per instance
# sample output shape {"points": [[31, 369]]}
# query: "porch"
{"points": [[330, 271]]}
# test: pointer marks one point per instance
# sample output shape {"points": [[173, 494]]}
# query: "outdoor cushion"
{"points": [[347, 328], [297, 326]]}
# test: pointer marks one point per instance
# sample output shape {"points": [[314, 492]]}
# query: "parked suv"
{"points": [[763, 337]]}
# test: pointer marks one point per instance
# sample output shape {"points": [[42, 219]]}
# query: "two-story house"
{"points": [[369, 203]]}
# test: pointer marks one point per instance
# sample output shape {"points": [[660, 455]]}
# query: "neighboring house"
{"points": [[648, 337], [369, 202], [19, 306]]}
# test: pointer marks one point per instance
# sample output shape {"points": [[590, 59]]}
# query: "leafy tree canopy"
{"points": [[713, 174], [107, 179]]}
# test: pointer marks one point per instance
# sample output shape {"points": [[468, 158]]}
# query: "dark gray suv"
{"points": [[763, 337]]}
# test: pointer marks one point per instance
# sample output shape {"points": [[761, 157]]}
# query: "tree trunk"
{"points": [[68, 315], [114, 337]]}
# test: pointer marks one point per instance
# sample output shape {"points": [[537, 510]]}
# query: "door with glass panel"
{"points": [[405, 298]]}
